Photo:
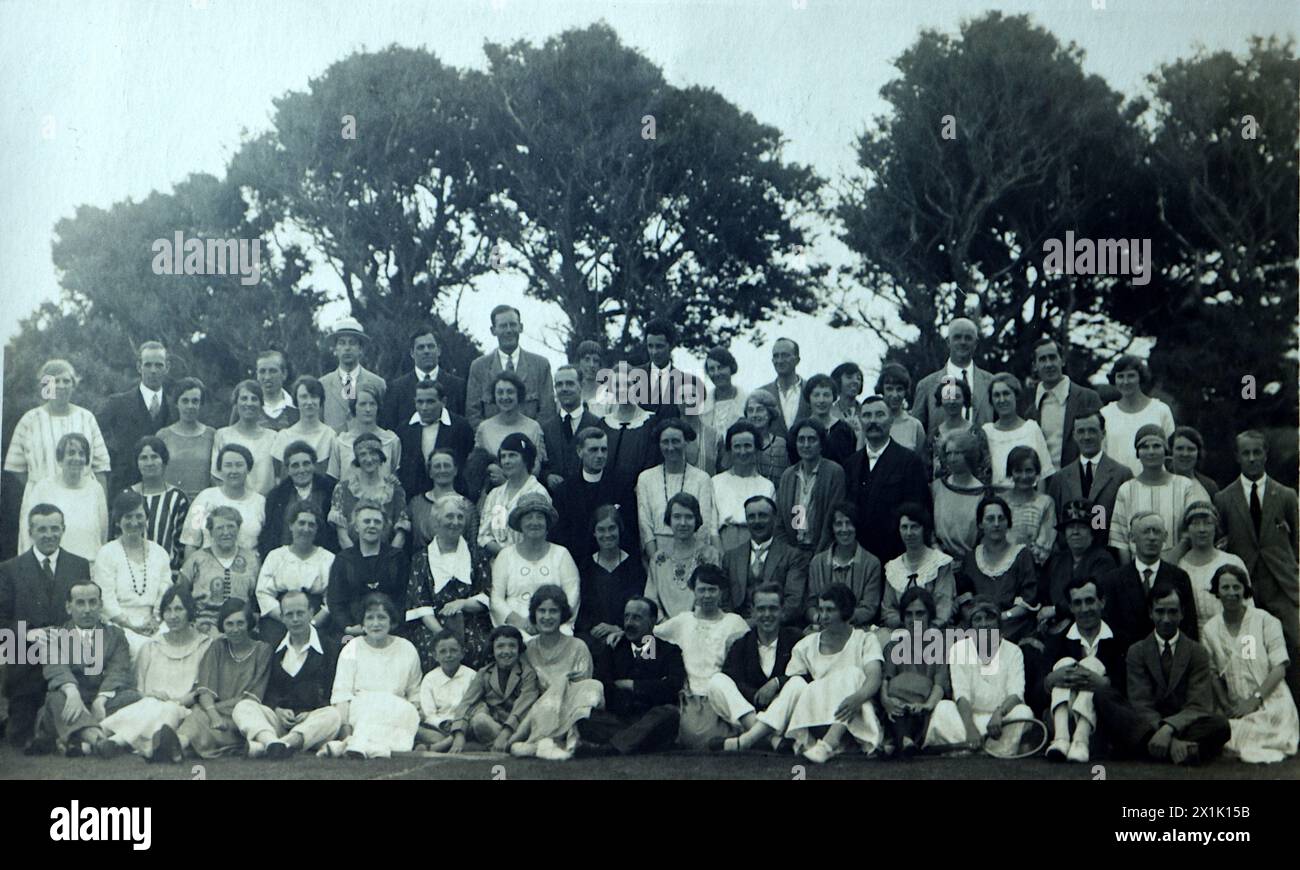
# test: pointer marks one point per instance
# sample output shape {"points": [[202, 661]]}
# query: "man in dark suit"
{"points": [[399, 401], [963, 337], [560, 432], [1086, 659], [140, 411], [90, 683], [1259, 517], [767, 558], [577, 498], [304, 482], [1126, 589], [33, 595], [787, 388], [1169, 713], [669, 391], [880, 477], [1058, 402], [432, 427], [294, 713], [1091, 475], [642, 675], [533, 370]]}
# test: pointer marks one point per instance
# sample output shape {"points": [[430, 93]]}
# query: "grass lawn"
{"points": [[667, 766]]}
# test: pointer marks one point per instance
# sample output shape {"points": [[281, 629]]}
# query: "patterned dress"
{"points": [[437, 579], [213, 579], [165, 514], [389, 494]]}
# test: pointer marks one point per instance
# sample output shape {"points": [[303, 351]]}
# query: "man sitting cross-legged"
{"points": [[754, 671], [95, 683], [642, 676], [295, 713], [1169, 713], [1087, 659]]}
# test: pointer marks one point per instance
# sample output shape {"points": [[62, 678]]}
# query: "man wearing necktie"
{"points": [[560, 431], [1259, 518], [1126, 589], [1091, 475], [508, 356], [33, 590], [348, 341], [1169, 714], [129, 416], [963, 339]]}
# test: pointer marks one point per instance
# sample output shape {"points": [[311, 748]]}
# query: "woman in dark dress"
{"points": [[1000, 570], [447, 590], [609, 579], [1085, 555]]}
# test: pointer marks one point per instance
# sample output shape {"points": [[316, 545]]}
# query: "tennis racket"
{"points": [[1032, 740]]}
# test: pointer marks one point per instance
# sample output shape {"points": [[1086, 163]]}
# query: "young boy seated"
{"points": [[499, 696], [441, 692]]}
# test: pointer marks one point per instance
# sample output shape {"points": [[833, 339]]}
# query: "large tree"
{"points": [[616, 217], [379, 163], [996, 141]]}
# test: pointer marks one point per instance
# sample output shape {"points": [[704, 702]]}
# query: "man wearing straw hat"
{"points": [[347, 339]]}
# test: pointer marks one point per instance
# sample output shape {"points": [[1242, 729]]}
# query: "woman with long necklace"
{"points": [[133, 573]]}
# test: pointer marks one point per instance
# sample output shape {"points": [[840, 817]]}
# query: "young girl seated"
{"points": [[1033, 515], [499, 696], [911, 690], [441, 692]]}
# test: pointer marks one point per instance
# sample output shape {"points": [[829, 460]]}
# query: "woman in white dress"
{"points": [[249, 433], [834, 675], [515, 457], [510, 393], [365, 416], [376, 687], [311, 429], [725, 403], [1154, 490], [233, 461], [1009, 430], [300, 565], [1133, 411], [657, 484], [1249, 656], [166, 669], [735, 486], [1203, 558], [76, 492], [986, 688], [133, 574], [564, 668], [32, 447], [522, 568]]}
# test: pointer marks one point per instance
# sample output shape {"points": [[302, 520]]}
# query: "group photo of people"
{"points": [[534, 561]]}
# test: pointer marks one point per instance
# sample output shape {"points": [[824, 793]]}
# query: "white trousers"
{"points": [[136, 724], [1079, 701], [726, 700], [316, 727]]}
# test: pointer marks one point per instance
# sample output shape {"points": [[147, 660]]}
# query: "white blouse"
{"points": [[494, 521], [129, 589], [393, 670], [85, 513], [730, 492], [1001, 443], [251, 508], [1122, 427], [515, 579], [31, 448], [284, 570], [986, 686]]}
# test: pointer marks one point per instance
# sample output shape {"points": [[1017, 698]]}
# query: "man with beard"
{"points": [[881, 476], [767, 559], [576, 500], [642, 677]]}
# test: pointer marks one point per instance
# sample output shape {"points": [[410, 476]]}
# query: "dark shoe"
{"points": [[41, 745], [75, 749], [785, 746], [587, 749], [166, 748], [278, 751], [107, 749]]}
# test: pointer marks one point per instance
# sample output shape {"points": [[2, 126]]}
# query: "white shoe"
{"points": [[1078, 751], [256, 749], [820, 752], [331, 749], [1058, 750], [523, 750], [549, 750]]}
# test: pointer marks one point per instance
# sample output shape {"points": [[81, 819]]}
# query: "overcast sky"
{"points": [[138, 95]]}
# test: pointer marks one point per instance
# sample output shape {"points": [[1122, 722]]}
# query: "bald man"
{"points": [[1126, 589], [963, 338]]}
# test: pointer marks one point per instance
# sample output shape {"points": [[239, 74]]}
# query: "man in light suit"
{"points": [[1169, 714], [34, 595], [399, 401], [1091, 475], [430, 428], [767, 558], [1259, 517], [788, 386], [963, 336], [560, 432], [1058, 402], [880, 477], [534, 370], [128, 417], [347, 340]]}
